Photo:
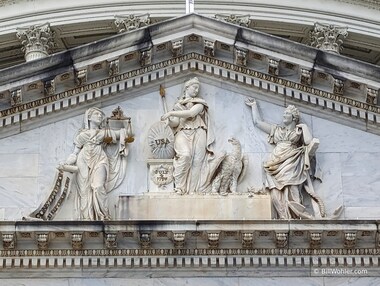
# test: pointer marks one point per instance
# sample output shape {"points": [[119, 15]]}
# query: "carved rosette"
{"points": [[37, 41], [161, 175], [131, 22], [241, 20], [328, 37]]}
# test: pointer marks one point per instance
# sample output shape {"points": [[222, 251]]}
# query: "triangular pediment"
{"points": [[42, 111]]}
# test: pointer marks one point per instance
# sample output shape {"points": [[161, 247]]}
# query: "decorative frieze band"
{"points": [[247, 262], [190, 252], [192, 61]]}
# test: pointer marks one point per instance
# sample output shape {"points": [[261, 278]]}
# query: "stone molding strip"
{"points": [[168, 252], [192, 62], [233, 265]]}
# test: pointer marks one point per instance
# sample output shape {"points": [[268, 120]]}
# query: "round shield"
{"points": [[161, 141]]}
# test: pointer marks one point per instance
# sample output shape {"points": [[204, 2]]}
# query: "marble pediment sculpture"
{"points": [[97, 166], [194, 139], [291, 166], [230, 171]]}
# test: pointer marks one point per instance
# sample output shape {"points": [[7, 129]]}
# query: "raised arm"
{"points": [[257, 121], [192, 112]]}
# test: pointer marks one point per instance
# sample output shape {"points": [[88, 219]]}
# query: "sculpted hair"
{"points": [[88, 115], [295, 112], [190, 82]]}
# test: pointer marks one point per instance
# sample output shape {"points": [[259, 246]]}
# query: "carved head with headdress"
{"points": [[88, 115], [294, 112], [194, 81]]}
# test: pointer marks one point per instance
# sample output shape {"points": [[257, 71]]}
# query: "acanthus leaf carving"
{"points": [[241, 20], [328, 37], [37, 41], [131, 22]]}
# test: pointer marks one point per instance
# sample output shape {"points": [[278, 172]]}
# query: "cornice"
{"points": [[278, 88], [73, 248], [338, 74]]}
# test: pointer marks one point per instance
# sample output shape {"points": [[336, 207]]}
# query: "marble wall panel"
{"points": [[23, 143], [53, 143], [362, 212], [330, 187], [18, 192], [361, 179], [338, 138], [18, 165]]}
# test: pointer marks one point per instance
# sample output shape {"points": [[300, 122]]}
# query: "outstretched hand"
{"points": [[250, 101]]}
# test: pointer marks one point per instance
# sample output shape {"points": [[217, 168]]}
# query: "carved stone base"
{"points": [[160, 175], [198, 207]]}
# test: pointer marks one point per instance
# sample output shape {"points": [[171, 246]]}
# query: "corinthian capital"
{"points": [[131, 22], [37, 41], [328, 37], [241, 20]]}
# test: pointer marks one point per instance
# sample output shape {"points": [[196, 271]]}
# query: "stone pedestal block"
{"points": [[194, 207]]}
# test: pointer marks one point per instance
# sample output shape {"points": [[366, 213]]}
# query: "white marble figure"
{"points": [[101, 168], [193, 140], [289, 169], [230, 171]]}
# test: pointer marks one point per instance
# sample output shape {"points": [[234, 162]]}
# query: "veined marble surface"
{"points": [[348, 157]]}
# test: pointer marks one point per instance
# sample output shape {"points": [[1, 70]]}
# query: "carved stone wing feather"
{"points": [[244, 161]]}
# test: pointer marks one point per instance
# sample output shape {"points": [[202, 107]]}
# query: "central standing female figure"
{"points": [[193, 139]]}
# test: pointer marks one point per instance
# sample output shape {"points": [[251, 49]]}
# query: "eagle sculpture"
{"points": [[230, 171]]}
